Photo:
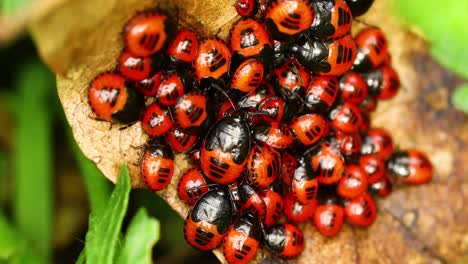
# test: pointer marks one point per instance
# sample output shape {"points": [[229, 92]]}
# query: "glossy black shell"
{"points": [[303, 171], [321, 26], [215, 208], [249, 225], [359, 7], [362, 62], [133, 108], [157, 148], [312, 54], [275, 238], [399, 164], [374, 80], [230, 134]]}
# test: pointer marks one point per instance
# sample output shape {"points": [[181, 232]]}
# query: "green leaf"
{"points": [[97, 186], [24, 258], [82, 258], [3, 174], [13, 247], [444, 24], [460, 98], [33, 196], [10, 243], [141, 236], [103, 235]]}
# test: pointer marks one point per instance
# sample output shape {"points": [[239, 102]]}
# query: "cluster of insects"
{"points": [[276, 121]]}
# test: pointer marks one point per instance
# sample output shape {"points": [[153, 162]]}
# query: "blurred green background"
{"points": [[48, 188]]}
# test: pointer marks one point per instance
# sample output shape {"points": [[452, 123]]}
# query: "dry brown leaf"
{"points": [[415, 224]]}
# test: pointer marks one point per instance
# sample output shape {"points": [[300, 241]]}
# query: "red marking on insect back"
{"points": [[147, 32], [212, 60], [184, 48]]}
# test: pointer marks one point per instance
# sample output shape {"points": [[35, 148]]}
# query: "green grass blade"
{"points": [[33, 158], [10, 243], [3, 175], [82, 258], [98, 188], [103, 236], [141, 236], [13, 247]]}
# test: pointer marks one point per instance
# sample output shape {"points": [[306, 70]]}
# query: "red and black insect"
{"points": [[248, 76], [246, 8], [249, 38], [156, 121], [374, 167], [327, 163], [276, 109], [280, 52], [349, 144], [273, 206], [290, 162], [410, 166], [273, 134], [225, 149], [150, 86], [333, 19], [208, 220], [181, 141], [333, 57], [382, 188], [212, 60], [192, 185], [369, 104], [377, 141], [359, 7], [304, 184], [183, 50], [286, 240], [290, 80], [296, 211], [135, 68], [157, 165], [192, 112], [354, 183], [346, 117], [242, 239], [148, 32], [253, 99], [372, 49], [361, 211], [353, 88], [287, 19], [114, 100], [173, 86], [329, 217], [321, 93], [383, 82], [250, 200], [309, 129], [263, 166]]}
